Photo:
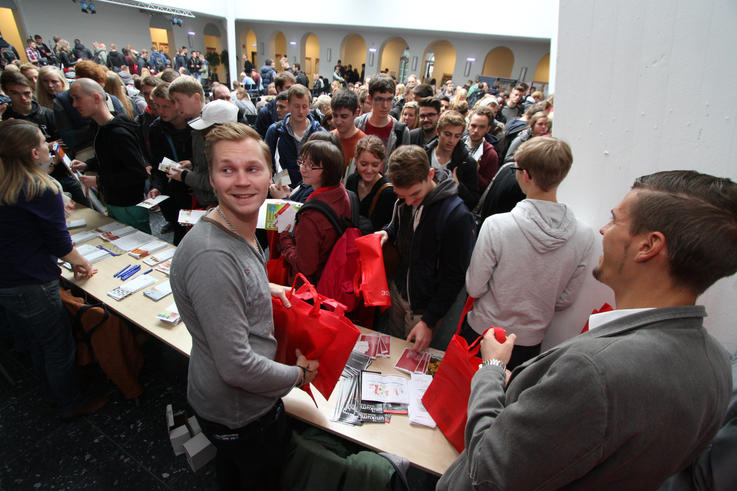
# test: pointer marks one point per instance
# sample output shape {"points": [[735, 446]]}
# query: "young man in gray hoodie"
{"points": [[530, 262]]}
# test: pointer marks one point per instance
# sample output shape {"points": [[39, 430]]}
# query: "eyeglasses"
{"points": [[520, 169], [310, 166], [383, 100], [428, 115]]}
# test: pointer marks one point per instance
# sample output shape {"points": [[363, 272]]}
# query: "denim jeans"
{"points": [[37, 312]]}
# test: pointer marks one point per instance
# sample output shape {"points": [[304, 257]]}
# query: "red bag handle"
{"points": [[466, 309], [499, 333], [315, 312]]}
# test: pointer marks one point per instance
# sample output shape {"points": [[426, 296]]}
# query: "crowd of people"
{"points": [[460, 183]]}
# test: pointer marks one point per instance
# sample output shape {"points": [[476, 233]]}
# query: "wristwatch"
{"points": [[493, 362]]}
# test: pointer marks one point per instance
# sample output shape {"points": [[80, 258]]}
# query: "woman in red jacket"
{"points": [[308, 248]]}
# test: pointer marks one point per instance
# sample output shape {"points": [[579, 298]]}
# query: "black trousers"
{"points": [[520, 354], [250, 457]]}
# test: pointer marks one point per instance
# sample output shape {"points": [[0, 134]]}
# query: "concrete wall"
{"points": [[527, 53], [534, 19], [644, 87], [111, 24]]}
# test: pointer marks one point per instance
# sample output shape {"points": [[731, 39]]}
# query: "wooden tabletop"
{"points": [[425, 448]]}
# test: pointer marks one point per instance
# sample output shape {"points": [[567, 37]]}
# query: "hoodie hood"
{"points": [[546, 225], [445, 188], [515, 126], [122, 121]]}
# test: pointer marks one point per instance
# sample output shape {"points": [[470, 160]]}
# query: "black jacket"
{"points": [[41, 116], [433, 258], [468, 172], [417, 137], [266, 117], [121, 168], [115, 60]]}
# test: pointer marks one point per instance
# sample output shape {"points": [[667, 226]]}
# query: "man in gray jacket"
{"points": [[641, 394]]}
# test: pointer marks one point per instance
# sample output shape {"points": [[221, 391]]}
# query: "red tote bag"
{"points": [[370, 280], [446, 399], [320, 334]]}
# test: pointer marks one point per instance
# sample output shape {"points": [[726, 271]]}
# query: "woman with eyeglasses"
{"points": [[375, 192], [306, 249], [33, 234]]}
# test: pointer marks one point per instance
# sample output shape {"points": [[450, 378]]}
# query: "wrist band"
{"points": [[304, 375]]}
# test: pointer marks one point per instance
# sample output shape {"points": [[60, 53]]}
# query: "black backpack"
{"points": [[362, 223]]}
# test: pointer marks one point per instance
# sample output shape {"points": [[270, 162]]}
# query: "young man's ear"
{"points": [[651, 244], [431, 173]]}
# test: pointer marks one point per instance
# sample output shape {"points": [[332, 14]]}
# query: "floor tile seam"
{"points": [[138, 462]]}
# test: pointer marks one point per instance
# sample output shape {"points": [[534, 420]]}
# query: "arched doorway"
{"points": [[392, 56], [542, 72], [249, 47], [162, 37], [499, 63], [278, 48], [214, 46], [353, 51], [11, 34], [310, 55], [439, 62]]}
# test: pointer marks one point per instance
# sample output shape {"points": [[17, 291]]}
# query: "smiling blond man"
{"points": [[219, 281]]}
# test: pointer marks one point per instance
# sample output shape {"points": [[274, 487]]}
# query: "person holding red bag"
{"points": [[640, 395], [219, 281]]}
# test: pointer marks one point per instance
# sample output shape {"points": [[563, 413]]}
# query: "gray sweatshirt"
{"points": [[222, 292], [527, 264]]}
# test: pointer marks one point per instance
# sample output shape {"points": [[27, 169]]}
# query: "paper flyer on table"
{"points": [[91, 253], [126, 289], [277, 214], [148, 248], [418, 384], [159, 257], [384, 388], [132, 241], [170, 315], [77, 223], [82, 237]]}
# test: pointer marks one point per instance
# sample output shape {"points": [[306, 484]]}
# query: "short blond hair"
{"points": [[233, 132], [186, 85], [451, 118], [546, 159]]}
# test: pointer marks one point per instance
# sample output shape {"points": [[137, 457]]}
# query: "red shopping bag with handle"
{"points": [[323, 334], [370, 279], [446, 399]]}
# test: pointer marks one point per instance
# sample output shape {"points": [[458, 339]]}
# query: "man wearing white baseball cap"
{"points": [[188, 98]]}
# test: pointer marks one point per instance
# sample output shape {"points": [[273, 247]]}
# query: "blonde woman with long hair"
{"points": [[33, 234], [114, 86], [51, 81]]}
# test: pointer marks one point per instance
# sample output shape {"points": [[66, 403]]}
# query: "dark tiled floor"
{"points": [[124, 446]]}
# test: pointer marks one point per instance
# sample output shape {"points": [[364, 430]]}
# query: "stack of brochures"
{"points": [[348, 406]]}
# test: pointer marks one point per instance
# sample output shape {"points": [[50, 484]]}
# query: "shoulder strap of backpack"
{"points": [[326, 210], [448, 208], [399, 131], [376, 198], [355, 207]]}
